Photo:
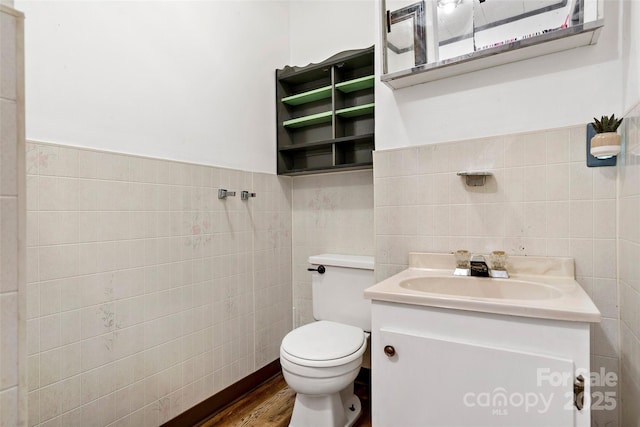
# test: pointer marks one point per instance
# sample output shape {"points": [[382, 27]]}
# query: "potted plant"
{"points": [[606, 142]]}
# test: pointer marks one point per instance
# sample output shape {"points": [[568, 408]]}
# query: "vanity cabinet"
{"points": [[325, 114], [442, 367]]}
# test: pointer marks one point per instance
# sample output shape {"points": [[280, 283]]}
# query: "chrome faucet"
{"points": [[477, 266]]}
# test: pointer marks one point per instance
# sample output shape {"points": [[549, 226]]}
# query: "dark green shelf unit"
{"points": [[325, 114]]}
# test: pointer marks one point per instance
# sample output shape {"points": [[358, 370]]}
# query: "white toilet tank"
{"points": [[338, 294]]}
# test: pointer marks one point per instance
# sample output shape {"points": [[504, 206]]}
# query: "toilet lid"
{"points": [[323, 340]]}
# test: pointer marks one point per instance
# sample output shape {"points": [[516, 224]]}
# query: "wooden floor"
{"points": [[271, 404]]}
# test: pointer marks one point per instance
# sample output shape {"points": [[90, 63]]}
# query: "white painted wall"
{"points": [[635, 55], [182, 80], [562, 89], [321, 28], [164, 79]]}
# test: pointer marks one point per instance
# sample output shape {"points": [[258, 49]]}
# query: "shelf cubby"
{"points": [[329, 142]]}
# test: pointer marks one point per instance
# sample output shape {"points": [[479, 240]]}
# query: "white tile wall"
{"points": [[332, 213], [542, 200], [146, 293], [629, 269], [12, 289]]}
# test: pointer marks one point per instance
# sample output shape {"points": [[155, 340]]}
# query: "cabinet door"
{"points": [[435, 382]]}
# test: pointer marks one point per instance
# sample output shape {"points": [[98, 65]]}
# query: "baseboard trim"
{"points": [[203, 410]]}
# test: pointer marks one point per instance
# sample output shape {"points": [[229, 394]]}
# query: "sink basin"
{"points": [[475, 287]]}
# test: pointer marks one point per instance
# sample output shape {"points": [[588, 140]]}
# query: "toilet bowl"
{"points": [[320, 362]]}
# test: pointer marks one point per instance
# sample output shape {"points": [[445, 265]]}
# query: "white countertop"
{"points": [[561, 297]]}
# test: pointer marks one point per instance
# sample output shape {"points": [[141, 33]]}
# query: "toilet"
{"points": [[321, 360]]}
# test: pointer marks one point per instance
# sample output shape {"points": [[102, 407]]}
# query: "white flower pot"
{"points": [[605, 145]]}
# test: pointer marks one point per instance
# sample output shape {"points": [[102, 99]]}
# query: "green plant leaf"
{"points": [[606, 124]]}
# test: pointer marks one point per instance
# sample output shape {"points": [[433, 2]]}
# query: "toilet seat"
{"points": [[323, 344]]}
